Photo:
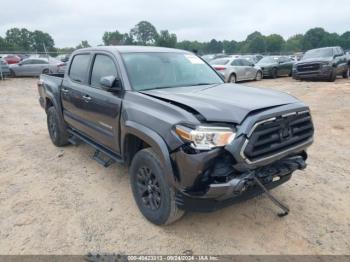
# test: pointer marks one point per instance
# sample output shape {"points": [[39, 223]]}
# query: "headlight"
{"points": [[206, 137], [327, 64]]}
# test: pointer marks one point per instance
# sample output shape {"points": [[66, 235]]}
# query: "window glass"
{"points": [[103, 66], [166, 70], [39, 62], [245, 62], [79, 67], [27, 62], [236, 63]]}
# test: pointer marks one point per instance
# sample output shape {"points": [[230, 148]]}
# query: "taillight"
{"points": [[220, 68], [60, 65]]}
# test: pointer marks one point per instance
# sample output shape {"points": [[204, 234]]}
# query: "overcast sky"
{"points": [[69, 22]]}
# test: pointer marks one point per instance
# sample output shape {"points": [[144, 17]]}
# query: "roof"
{"points": [[134, 49]]}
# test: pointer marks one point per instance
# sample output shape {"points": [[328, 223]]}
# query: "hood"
{"points": [[316, 59], [223, 102]]}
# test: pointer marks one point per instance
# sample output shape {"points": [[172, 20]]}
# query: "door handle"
{"points": [[87, 98], [65, 91]]}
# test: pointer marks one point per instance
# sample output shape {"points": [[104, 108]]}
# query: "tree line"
{"points": [[144, 33]]}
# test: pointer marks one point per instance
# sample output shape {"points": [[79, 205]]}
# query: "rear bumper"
{"points": [[241, 187]]}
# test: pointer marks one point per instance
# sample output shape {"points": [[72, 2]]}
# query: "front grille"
{"points": [[308, 67], [276, 135]]}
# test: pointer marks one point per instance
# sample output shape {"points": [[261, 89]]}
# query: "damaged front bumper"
{"points": [[210, 192]]}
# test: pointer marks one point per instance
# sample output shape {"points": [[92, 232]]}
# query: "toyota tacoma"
{"points": [[192, 142]]}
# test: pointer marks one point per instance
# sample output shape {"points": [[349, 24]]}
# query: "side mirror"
{"points": [[111, 83]]}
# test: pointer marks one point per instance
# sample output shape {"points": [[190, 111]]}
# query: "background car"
{"points": [[37, 66], [4, 68], [252, 58], [274, 66], [12, 59], [237, 69], [211, 57]]}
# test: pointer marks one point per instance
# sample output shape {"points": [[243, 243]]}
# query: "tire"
{"points": [[46, 71], [57, 131], [274, 73], [154, 197], [333, 76], [232, 79], [12, 73], [346, 72], [258, 76]]}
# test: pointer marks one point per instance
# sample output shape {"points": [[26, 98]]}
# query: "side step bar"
{"points": [[100, 150]]}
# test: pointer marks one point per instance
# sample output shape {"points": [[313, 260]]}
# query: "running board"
{"points": [[100, 150]]}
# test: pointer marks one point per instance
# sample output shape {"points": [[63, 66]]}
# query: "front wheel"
{"points": [[12, 73], [154, 197], [258, 76], [346, 72], [332, 76], [274, 73]]}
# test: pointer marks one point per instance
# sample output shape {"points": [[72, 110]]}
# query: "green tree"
{"points": [[214, 46], [255, 43], [230, 47], [40, 41], [345, 40], [314, 38], [166, 39], [294, 43], [113, 38], [83, 44], [274, 43], [144, 33]]}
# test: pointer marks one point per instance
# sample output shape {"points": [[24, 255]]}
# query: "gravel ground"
{"points": [[59, 201]]}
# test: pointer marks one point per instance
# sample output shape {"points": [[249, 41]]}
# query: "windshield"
{"points": [[164, 70], [316, 53], [219, 62], [268, 59]]}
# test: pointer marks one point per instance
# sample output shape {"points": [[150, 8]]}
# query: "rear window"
{"points": [[79, 67], [219, 62]]}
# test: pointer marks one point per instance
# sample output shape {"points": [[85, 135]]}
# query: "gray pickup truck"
{"points": [[322, 63], [191, 141]]}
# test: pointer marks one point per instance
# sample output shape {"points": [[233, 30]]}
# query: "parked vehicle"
{"points": [[275, 66], [237, 69], [37, 66], [322, 63], [63, 57], [191, 141], [211, 57], [12, 59], [252, 58], [4, 68]]}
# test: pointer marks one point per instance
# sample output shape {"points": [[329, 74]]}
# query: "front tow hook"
{"points": [[274, 200]]}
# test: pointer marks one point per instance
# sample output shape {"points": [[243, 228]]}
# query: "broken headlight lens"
{"points": [[206, 137]]}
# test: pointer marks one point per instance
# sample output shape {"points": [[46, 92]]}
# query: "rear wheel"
{"points": [[46, 71], [258, 76], [274, 73], [57, 131], [233, 78], [12, 73], [153, 195]]}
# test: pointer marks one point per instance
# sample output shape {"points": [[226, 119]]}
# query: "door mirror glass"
{"points": [[110, 83]]}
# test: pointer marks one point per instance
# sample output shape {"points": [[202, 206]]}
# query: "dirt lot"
{"points": [[59, 201]]}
